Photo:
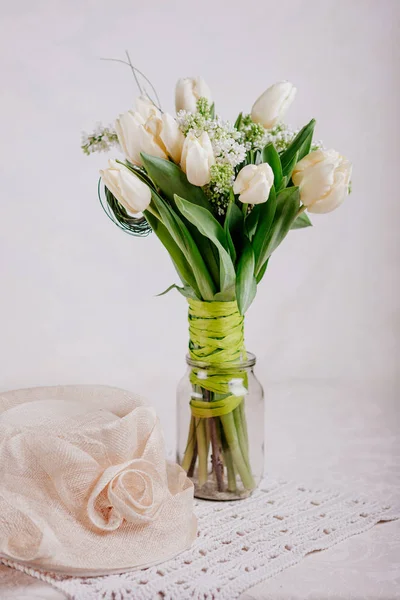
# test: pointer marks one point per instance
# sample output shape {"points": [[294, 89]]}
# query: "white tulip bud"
{"points": [[127, 127], [270, 107], [254, 183], [188, 90], [172, 137], [197, 158], [126, 187], [136, 135], [323, 178]]}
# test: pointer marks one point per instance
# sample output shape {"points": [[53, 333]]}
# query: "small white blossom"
{"points": [[101, 140]]}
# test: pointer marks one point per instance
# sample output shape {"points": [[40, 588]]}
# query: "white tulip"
{"points": [[146, 108], [188, 90], [128, 189], [254, 183], [172, 137], [197, 158], [270, 107], [323, 178], [136, 135]]}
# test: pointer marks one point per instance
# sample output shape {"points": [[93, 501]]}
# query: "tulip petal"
{"points": [[147, 143], [254, 183], [127, 127], [244, 178], [331, 201], [271, 106], [188, 90], [197, 169], [126, 187], [201, 89], [315, 182], [146, 108], [172, 137], [136, 194], [323, 178], [257, 192], [184, 95]]}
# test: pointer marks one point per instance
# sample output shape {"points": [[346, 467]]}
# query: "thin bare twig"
{"points": [[136, 71]]}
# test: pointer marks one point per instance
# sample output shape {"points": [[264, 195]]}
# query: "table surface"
{"points": [[344, 436]]}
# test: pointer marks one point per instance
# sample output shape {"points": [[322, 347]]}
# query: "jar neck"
{"points": [[222, 368], [216, 333]]}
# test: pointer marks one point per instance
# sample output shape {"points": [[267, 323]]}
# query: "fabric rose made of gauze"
{"points": [[85, 487]]}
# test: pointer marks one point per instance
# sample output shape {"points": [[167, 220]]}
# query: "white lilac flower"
{"points": [[226, 140], [228, 148], [221, 182], [230, 145], [101, 140], [282, 136]]}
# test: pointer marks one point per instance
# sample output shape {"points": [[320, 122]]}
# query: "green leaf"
{"points": [[252, 220], [270, 155], [234, 229], [261, 272], [300, 144], [212, 110], [287, 207], [226, 295], [238, 121], [211, 228], [301, 221], [182, 237], [182, 266], [185, 291], [246, 285], [250, 157], [172, 180], [265, 220], [284, 183], [288, 169]]}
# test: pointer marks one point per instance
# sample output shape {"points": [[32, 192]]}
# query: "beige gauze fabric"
{"points": [[84, 484]]}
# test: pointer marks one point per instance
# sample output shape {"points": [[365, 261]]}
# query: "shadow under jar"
{"points": [[220, 407]]}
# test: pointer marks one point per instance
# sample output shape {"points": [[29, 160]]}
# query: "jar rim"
{"points": [[250, 361]]}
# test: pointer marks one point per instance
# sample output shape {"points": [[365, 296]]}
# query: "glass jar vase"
{"points": [[221, 428]]}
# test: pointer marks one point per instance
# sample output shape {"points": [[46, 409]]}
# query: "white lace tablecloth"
{"points": [[240, 544], [349, 439]]}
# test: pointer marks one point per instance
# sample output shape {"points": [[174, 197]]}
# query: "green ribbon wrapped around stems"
{"points": [[216, 332]]}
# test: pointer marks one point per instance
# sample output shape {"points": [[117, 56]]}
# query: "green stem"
{"points": [[244, 423], [202, 449], [217, 464], [190, 446], [230, 468], [190, 472], [239, 419], [228, 423]]}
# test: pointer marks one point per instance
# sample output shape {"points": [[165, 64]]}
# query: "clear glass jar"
{"points": [[220, 428]]}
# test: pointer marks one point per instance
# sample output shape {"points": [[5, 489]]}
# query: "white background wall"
{"points": [[77, 299]]}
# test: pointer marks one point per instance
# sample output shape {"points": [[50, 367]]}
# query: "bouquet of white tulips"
{"points": [[220, 197]]}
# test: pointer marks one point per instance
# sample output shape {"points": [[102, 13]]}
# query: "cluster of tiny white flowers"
{"points": [[283, 135], [228, 148], [225, 139], [226, 142], [230, 145], [101, 140]]}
